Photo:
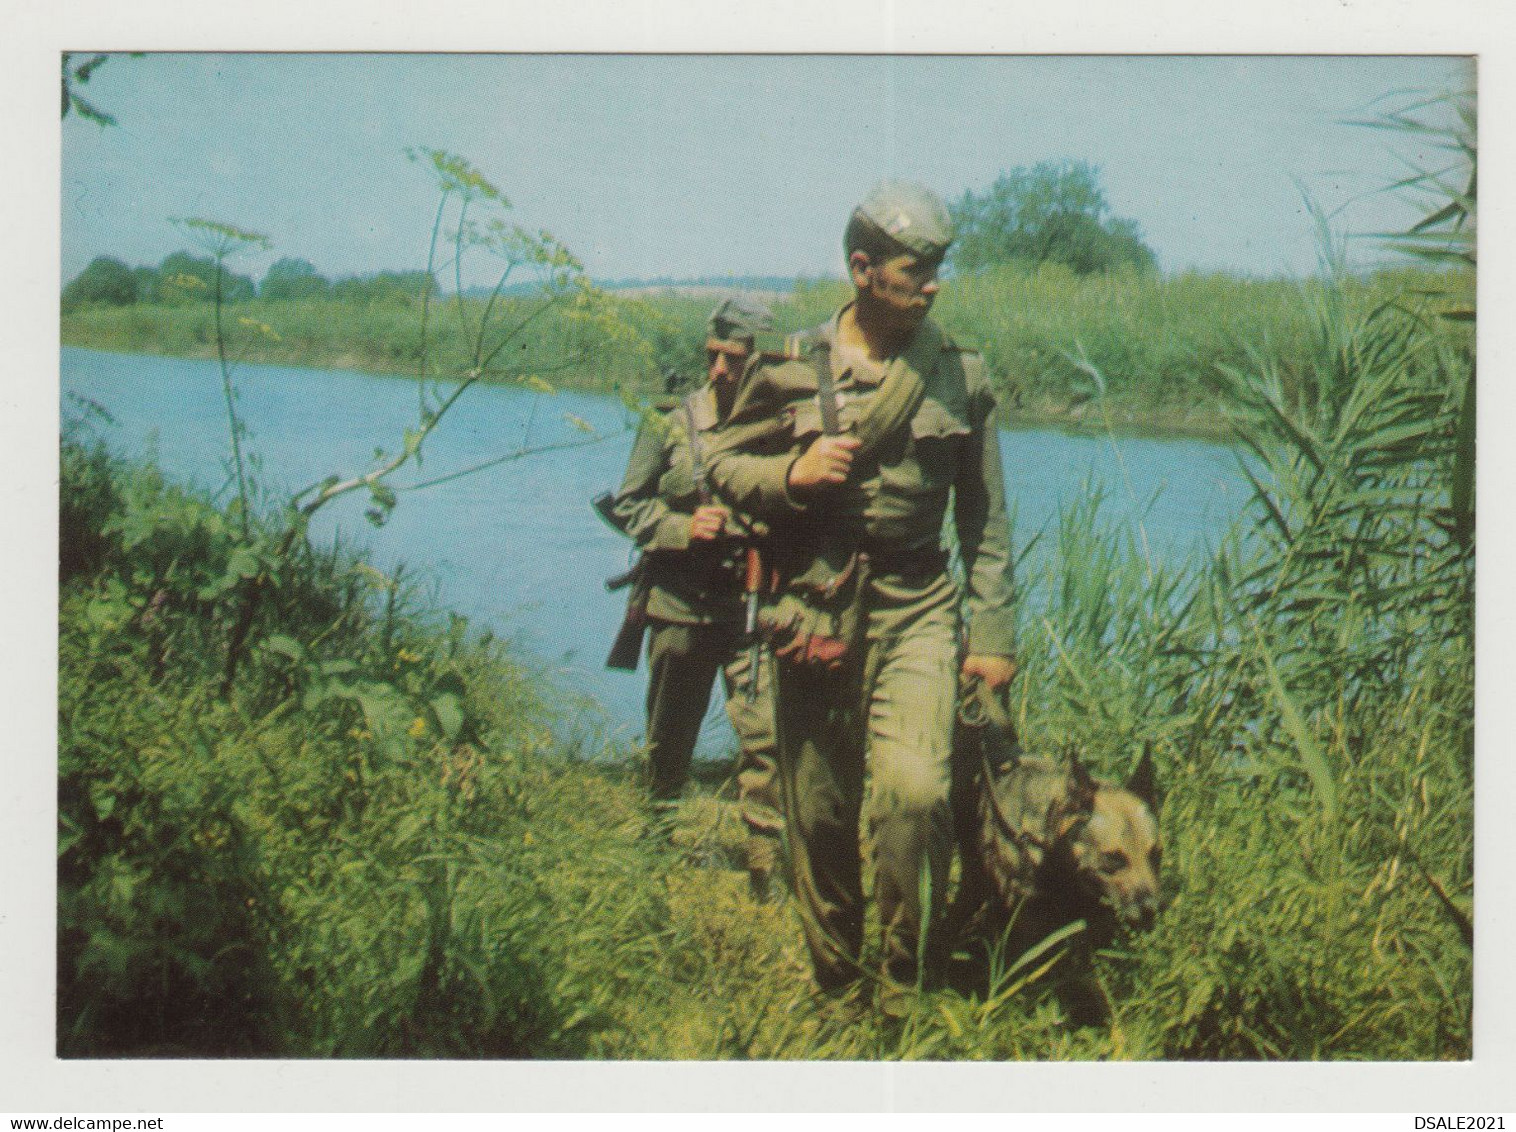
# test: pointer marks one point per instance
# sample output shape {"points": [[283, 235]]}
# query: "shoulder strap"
{"points": [[697, 457], [826, 391], [889, 408], [812, 347]]}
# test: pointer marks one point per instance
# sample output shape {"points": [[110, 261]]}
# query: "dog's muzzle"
{"points": [[1139, 915]]}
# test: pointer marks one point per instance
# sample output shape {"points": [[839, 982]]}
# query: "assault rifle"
{"points": [[627, 648], [752, 562]]}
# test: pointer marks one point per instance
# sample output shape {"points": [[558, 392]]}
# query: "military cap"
{"points": [[739, 317], [910, 214]]}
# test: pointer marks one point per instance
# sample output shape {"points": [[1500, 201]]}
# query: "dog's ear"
{"points": [[1082, 786], [1144, 780]]}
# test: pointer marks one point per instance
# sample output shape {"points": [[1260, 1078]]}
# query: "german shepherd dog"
{"points": [[1044, 845]]}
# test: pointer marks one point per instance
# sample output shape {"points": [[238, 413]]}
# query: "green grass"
{"points": [[386, 338]]}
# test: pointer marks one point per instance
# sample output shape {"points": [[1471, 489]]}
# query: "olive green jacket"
{"points": [[690, 585], [895, 502]]}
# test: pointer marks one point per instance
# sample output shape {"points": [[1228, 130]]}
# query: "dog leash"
{"points": [[1020, 838], [1023, 839]]}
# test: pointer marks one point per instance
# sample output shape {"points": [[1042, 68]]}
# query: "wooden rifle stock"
{"points": [[604, 505], [627, 648], [752, 586]]}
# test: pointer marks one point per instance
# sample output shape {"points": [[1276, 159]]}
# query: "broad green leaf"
{"points": [[243, 563], [285, 646], [449, 715]]}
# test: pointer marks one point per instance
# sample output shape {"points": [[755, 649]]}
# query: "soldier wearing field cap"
{"points": [[695, 604], [851, 448]]}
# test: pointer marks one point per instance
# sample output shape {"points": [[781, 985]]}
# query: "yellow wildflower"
{"points": [[261, 327]]}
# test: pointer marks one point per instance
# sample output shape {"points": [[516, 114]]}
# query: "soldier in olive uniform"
{"points": [[851, 449], [695, 607]]}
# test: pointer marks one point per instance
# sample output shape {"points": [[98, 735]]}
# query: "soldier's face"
{"points": [[724, 359], [901, 287]]}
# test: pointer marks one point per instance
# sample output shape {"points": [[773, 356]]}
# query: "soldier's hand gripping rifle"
{"points": [[627, 648], [752, 561]]}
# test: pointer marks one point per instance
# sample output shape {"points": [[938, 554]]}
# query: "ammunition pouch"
{"points": [[817, 620], [819, 616]]}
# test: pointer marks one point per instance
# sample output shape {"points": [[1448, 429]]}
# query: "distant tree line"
{"points": [[1052, 212], [184, 278], [779, 283]]}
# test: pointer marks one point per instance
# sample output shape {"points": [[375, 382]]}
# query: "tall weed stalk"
{"points": [[477, 210]]}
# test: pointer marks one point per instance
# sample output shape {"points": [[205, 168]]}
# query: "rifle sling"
{"points": [[886, 411], [697, 457], [826, 394]]}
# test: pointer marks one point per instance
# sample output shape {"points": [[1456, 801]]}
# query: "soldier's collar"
{"points": [[848, 362], [920, 354]]}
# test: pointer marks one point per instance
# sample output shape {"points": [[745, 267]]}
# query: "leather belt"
{"points": [[908, 563]]}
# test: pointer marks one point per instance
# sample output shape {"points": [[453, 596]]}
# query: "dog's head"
{"points": [[1113, 844]]}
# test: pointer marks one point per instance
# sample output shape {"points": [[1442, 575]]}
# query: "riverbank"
{"points": [[373, 846], [305, 425], [100, 331], [1143, 354], [1117, 416], [386, 339]]}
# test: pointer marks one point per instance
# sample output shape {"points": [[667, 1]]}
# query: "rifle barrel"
{"points": [[621, 581]]}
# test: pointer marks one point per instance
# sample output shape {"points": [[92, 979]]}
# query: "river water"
{"points": [[516, 548]]}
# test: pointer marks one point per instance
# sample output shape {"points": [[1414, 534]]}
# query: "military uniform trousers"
{"points": [[682, 662], [888, 713]]}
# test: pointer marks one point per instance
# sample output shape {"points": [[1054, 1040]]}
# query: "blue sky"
{"points": [[694, 165]]}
